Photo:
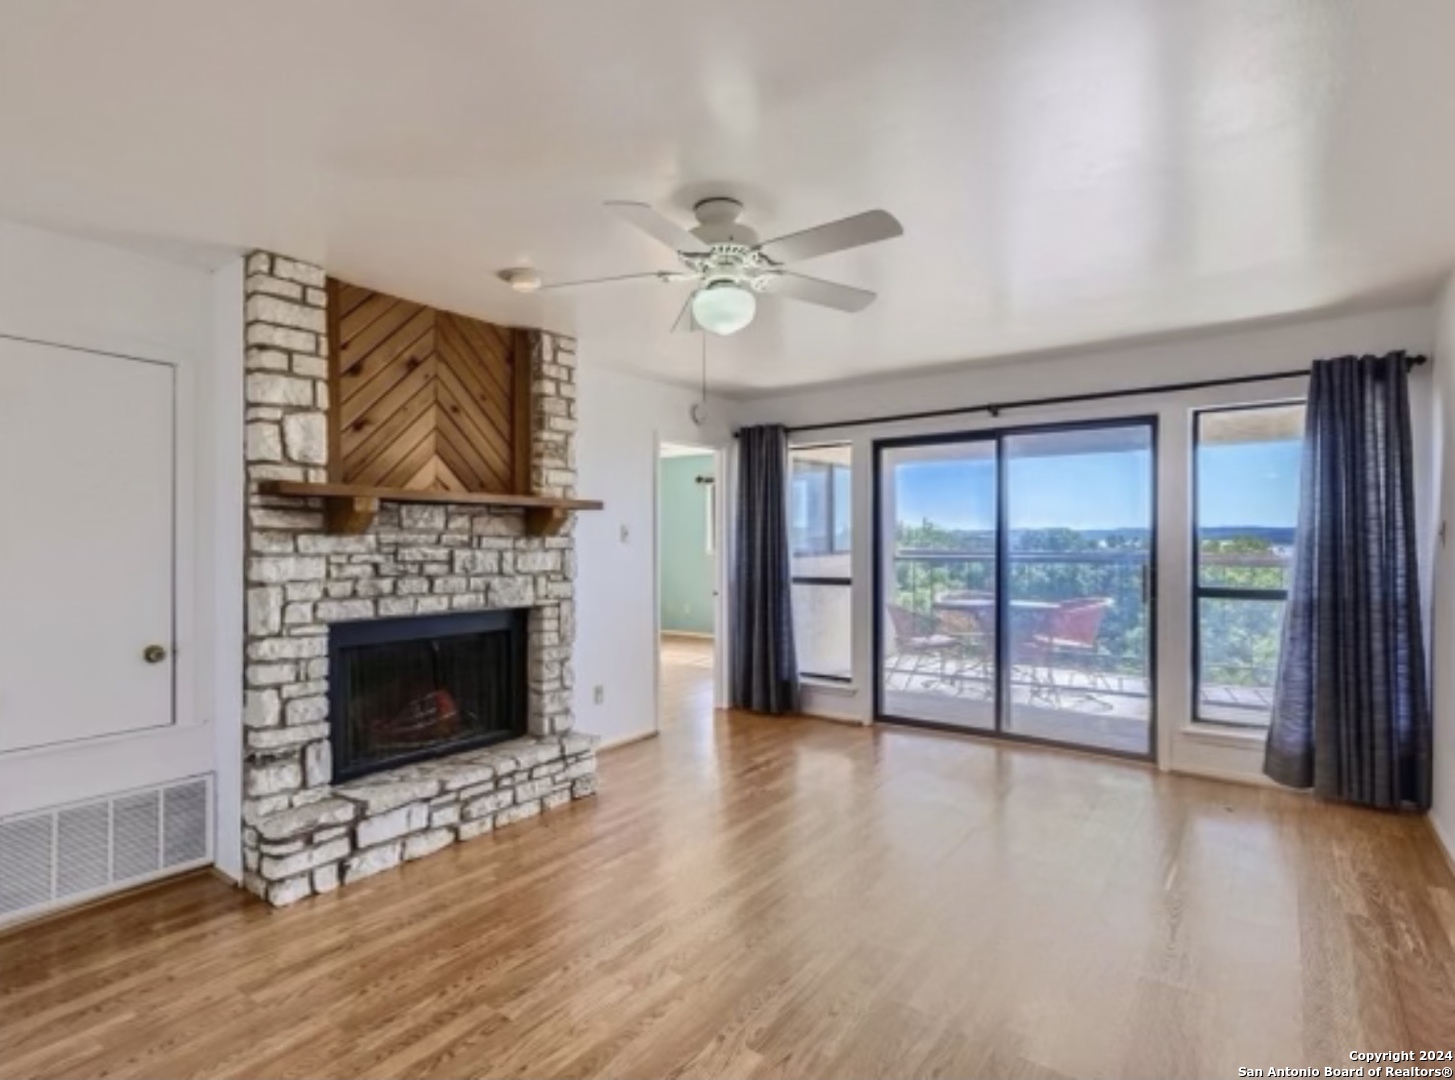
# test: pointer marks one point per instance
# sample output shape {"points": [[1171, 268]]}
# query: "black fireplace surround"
{"points": [[409, 689]]}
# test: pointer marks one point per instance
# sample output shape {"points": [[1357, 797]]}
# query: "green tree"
{"points": [[1240, 638]]}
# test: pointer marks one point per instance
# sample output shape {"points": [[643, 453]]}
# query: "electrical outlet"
{"points": [[598, 695], [626, 534]]}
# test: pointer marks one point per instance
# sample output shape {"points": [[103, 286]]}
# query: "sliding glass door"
{"points": [[938, 582], [1078, 532], [1015, 583]]}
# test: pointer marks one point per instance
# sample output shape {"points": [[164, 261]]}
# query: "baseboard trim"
{"points": [[695, 635], [626, 740], [91, 903], [1227, 776], [223, 876], [836, 718], [1445, 843]]}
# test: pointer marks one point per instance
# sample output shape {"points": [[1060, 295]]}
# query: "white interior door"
{"points": [[86, 545]]}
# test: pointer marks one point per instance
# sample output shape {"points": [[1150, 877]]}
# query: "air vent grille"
{"points": [[184, 823], [83, 849], [25, 863], [74, 852]]}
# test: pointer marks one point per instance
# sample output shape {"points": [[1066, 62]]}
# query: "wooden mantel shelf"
{"points": [[350, 508]]}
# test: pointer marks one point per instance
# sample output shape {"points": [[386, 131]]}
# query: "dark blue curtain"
{"points": [[1351, 710], [764, 662]]}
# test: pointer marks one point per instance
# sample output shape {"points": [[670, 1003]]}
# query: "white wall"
{"points": [[623, 420], [66, 291], [219, 573], [1201, 749], [1443, 620]]}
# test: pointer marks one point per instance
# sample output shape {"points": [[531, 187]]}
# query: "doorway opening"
{"points": [[687, 587]]}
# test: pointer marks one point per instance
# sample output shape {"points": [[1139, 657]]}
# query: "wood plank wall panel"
{"points": [[521, 345], [426, 399]]}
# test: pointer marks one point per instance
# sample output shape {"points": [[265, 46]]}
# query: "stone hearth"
{"points": [[376, 823], [303, 834]]}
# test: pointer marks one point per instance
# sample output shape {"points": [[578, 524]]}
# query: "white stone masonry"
{"points": [[303, 834]]}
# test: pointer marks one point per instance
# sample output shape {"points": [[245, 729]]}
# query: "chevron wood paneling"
{"points": [[426, 399]]}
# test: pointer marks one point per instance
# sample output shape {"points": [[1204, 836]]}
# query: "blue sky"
{"points": [[1249, 484], [1242, 484]]}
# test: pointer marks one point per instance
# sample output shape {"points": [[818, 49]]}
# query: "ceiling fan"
{"points": [[730, 266]]}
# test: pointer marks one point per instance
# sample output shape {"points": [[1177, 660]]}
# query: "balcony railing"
{"points": [[1239, 639]]}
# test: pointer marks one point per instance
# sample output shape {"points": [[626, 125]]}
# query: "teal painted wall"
{"points": [[686, 562]]}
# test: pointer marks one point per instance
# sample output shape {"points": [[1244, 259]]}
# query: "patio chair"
{"points": [[916, 639], [973, 629], [1069, 635]]}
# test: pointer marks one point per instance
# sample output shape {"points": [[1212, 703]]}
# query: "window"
{"points": [[1245, 479], [820, 537], [819, 517]]}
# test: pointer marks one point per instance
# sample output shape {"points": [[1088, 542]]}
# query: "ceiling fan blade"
{"points": [[601, 280], [685, 323], [817, 291], [656, 226], [867, 228]]}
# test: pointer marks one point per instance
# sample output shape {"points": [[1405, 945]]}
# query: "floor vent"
{"points": [[70, 853]]}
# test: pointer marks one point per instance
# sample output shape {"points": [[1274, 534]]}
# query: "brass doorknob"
{"points": [[154, 654]]}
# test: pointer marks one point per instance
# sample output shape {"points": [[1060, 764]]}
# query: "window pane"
{"points": [[1078, 522], [807, 508], [1247, 464], [821, 536], [819, 511], [937, 644], [842, 506], [1247, 495], [1237, 657], [821, 630]]}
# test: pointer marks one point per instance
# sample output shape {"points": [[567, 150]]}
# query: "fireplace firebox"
{"points": [[406, 690]]}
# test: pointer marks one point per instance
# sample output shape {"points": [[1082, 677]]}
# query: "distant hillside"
{"points": [[1278, 536], [928, 537]]}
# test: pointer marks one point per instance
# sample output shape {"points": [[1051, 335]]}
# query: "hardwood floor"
{"points": [[686, 679], [751, 897]]}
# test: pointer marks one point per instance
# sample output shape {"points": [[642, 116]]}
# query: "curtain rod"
{"points": [[996, 408]]}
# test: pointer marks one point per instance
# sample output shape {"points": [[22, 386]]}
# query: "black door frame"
{"points": [[998, 436]]}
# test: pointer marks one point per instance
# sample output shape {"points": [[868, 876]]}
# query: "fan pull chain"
{"points": [[699, 409]]}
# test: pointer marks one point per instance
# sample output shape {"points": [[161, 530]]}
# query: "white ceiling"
{"points": [[1067, 171]]}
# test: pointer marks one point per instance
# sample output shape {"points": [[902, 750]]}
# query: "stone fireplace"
{"points": [[408, 686]]}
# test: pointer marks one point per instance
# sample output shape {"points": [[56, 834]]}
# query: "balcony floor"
{"points": [[1104, 712]]}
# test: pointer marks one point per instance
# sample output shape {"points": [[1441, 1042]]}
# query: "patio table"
{"points": [[1028, 618]]}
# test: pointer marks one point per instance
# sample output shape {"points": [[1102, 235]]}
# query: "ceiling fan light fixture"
{"points": [[724, 308], [522, 279]]}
